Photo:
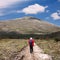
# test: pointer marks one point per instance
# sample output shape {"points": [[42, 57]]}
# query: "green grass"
{"points": [[50, 47], [10, 47]]}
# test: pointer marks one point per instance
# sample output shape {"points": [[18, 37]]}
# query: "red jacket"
{"points": [[32, 42]]}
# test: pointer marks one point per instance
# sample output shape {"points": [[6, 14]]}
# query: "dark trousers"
{"points": [[31, 49]]}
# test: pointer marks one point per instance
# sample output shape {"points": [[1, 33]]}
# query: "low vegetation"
{"points": [[50, 47], [10, 48]]}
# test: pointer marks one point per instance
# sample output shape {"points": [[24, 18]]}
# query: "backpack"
{"points": [[30, 42]]}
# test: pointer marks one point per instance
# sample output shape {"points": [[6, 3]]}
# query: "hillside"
{"points": [[28, 25]]}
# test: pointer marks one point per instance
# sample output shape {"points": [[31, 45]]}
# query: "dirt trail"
{"points": [[38, 54]]}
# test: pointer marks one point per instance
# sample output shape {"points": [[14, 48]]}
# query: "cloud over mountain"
{"points": [[6, 3], [55, 15], [34, 9]]}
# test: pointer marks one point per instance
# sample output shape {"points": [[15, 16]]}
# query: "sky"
{"points": [[47, 10]]}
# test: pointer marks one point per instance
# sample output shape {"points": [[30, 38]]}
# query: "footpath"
{"points": [[38, 54]]}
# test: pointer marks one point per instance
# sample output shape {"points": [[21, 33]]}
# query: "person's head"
{"points": [[30, 38]]}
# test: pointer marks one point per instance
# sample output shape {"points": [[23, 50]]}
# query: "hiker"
{"points": [[31, 44]]}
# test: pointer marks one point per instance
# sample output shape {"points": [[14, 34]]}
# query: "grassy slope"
{"points": [[9, 48], [50, 47], [28, 25]]}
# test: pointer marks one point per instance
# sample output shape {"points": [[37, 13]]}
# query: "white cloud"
{"points": [[58, 12], [55, 16], [1, 14], [6, 3], [34, 9], [58, 0], [47, 11], [6, 13], [19, 11]]}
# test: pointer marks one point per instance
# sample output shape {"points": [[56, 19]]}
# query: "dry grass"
{"points": [[10, 47], [28, 25], [50, 47]]}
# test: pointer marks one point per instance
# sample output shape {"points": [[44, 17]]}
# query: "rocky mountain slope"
{"points": [[28, 25]]}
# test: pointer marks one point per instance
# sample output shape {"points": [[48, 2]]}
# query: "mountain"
{"points": [[28, 25]]}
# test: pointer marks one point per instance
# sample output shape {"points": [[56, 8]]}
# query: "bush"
{"points": [[57, 39]]}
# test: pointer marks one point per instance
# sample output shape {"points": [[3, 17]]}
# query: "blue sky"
{"points": [[47, 10]]}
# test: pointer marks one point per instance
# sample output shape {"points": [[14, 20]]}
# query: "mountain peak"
{"points": [[29, 17]]}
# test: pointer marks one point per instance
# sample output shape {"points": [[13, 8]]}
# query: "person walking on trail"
{"points": [[31, 44]]}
